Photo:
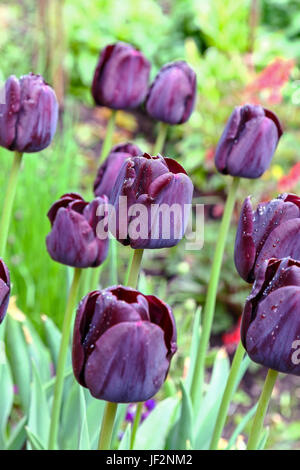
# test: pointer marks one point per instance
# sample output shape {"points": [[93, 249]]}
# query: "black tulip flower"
{"points": [[73, 239], [28, 118], [109, 170], [4, 289], [158, 196], [121, 77], [248, 142], [172, 95], [270, 329], [272, 231], [123, 343]]}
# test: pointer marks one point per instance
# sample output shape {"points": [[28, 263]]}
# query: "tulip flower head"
{"points": [[73, 239], [4, 289], [121, 77], [270, 329], [271, 231], [152, 201], [248, 142], [172, 95], [28, 118], [123, 343], [109, 170]]}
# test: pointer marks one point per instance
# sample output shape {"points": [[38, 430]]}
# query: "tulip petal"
{"points": [[128, 363]]}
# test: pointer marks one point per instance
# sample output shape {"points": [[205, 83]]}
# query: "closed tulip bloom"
{"points": [[158, 196], [121, 77], [123, 343], [109, 170], [28, 118], [248, 142], [270, 329], [271, 231], [172, 95], [73, 239], [4, 289]]}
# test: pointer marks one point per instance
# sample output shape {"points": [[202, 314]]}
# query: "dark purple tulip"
{"points": [[248, 142], [152, 186], [172, 95], [272, 231], [270, 329], [121, 77], [73, 240], [123, 343], [109, 170], [28, 118], [4, 289]]}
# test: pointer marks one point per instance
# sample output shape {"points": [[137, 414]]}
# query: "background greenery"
{"points": [[241, 51]]}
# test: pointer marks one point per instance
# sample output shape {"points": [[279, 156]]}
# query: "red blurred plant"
{"points": [[270, 82], [287, 182], [231, 338]]}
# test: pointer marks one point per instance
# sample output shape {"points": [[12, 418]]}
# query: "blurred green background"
{"points": [[246, 51]]}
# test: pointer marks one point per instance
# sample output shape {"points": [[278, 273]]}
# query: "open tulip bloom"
{"points": [[123, 343], [270, 329], [271, 231], [152, 202], [248, 142], [28, 118]]}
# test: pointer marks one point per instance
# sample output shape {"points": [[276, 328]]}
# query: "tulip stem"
{"points": [[198, 378], [136, 423], [256, 430], [107, 142], [107, 426], [9, 201], [134, 269], [59, 383], [161, 138], [227, 396]]}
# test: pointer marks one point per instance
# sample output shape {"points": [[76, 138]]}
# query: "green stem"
{"points": [[198, 378], [106, 145], [107, 426], [113, 265], [227, 396], [9, 201], [161, 138], [58, 389], [261, 411], [134, 269], [136, 423]]}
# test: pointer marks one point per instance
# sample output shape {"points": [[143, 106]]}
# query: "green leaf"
{"points": [[38, 352], [182, 433], [241, 426], [17, 352], [263, 441], [6, 395], [53, 338], [84, 439], [35, 443], [208, 409], [194, 347], [152, 434], [18, 436], [125, 441], [39, 416]]}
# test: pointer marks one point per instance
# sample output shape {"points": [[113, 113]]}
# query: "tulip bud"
{"points": [[28, 118], [272, 231], [109, 170], [123, 343], [73, 239], [172, 95], [121, 77], [158, 196], [248, 142], [270, 330], [4, 289]]}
